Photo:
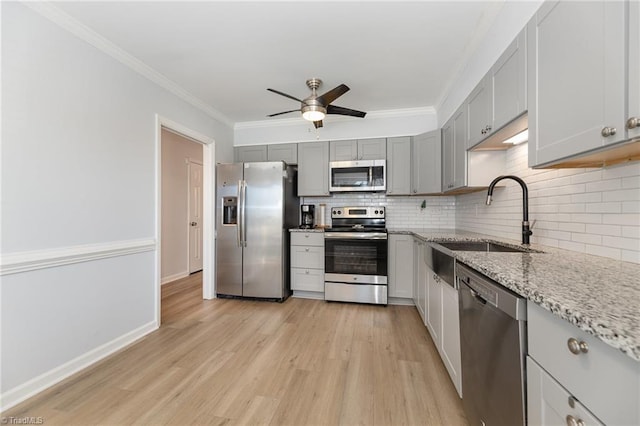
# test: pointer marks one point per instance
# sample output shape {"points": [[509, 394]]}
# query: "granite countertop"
{"points": [[599, 295]]}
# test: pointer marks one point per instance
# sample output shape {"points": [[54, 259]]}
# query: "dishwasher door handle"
{"points": [[477, 296]]}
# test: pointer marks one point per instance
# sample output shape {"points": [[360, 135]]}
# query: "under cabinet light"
{"points": [[518, 138]]}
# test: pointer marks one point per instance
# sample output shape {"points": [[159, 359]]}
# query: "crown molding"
{"points": [[52, 13], [381, 114]]}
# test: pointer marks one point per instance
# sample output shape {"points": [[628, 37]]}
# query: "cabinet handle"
{"points": [[306, 235], [487, 129], [306, 272], [633, 122], [306, 249], [608, 131], [576, 347], [572, 421], [415, 190]]}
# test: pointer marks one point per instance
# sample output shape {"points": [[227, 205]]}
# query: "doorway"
{"points": [[196, 247]]}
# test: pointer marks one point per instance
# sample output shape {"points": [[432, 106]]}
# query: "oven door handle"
{"points": [[355, 235]]}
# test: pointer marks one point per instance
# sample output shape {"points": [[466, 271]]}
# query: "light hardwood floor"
{"points": [[302, 362]]}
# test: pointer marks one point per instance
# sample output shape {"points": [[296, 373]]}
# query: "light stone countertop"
{"points": [[599, 295], [306, 230]]}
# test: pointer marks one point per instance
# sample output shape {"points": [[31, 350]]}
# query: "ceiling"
{"points": [[393, 55]]}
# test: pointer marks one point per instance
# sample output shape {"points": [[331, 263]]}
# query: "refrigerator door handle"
{"points": [[239, 224], [243, 222]]}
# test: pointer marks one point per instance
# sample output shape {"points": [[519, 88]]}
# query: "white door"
{"points": [[195, 217]]}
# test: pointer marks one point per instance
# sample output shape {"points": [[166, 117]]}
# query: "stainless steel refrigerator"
{"points": [[256, 204]]}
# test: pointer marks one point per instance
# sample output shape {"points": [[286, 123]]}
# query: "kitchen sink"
{"points": [[484, 246]]}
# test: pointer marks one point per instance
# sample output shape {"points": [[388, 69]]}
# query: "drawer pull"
{"points": [[576, 347], [572, 421], [306, 235], [307, 249], [306, 272]]}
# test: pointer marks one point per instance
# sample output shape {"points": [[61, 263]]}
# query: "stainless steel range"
{"points": [[355, 259]]}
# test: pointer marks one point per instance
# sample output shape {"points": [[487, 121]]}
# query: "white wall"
{"points": [[79, 159], [384, 124], [176, 152], [595, 211]]}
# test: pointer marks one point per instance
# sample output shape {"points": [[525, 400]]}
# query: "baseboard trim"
{"points": [[301, 294], [14, 263], [38, 384], [402, 301], [170, 278]]}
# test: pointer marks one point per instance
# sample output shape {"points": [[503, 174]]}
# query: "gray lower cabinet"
{"points": [[307, 261], [400, 266], [250, 153], [420, 278], [583, 377], [576, 78], [313, 169], [287, 152]]}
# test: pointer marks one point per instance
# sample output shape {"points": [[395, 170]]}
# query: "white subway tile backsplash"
{"points": [[594, 211]]}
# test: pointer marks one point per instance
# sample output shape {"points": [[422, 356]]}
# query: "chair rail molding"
{"points": [[25, 261]]}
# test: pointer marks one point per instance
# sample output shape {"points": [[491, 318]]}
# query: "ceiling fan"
{"points": [[315, 107]]}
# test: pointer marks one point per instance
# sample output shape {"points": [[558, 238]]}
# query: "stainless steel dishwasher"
{"points": [[493, 346]]}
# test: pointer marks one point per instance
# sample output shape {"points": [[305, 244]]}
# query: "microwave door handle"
{"points": [[370, 176]]}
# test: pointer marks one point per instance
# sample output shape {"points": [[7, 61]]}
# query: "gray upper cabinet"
{"points": [[459, 149], [479, 105], [287, 152], [313, 169], [362, 149], [501, 95], [250, 153], [508, 81], [633, 118], [399, 166], [447, 155], [426, 163], [576, 78]]}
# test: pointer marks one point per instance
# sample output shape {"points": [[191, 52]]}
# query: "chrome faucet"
{"points": [[526, 230]]}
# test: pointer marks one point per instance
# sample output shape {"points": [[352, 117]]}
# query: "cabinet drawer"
{"points": [[307, 239], [307, 279], [307, 257], [549, 403], [603, 379]]}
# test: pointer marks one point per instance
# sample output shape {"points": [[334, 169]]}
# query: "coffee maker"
{"points": [[307, 216]]}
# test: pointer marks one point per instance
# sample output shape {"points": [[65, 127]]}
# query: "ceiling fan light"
{"points": [[313, 112]]}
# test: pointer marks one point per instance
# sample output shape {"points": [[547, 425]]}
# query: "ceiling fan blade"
{"points": [[332, 109], [284, 94], [333, 94], [283, 112], [317, 124]]}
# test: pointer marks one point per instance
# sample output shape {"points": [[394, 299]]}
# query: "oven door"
{"points": [[356, 257]]}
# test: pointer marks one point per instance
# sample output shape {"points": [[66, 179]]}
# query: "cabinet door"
{"points": [[634, 70], [460, 149], [479, 112], [400, 258], [450, 350], [250, 153], [509, 83], [447, 156], [548, 403], [399, 166], [434, 307], [372, 149], [419, 285], [576, 78], [287, 152], [313, 169], [343, 150], [426, 163]]}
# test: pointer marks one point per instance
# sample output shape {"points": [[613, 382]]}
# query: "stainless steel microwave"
{"points": [[363, 175]]}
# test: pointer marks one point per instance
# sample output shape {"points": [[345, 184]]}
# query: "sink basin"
{"points": [[484, 246]]}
